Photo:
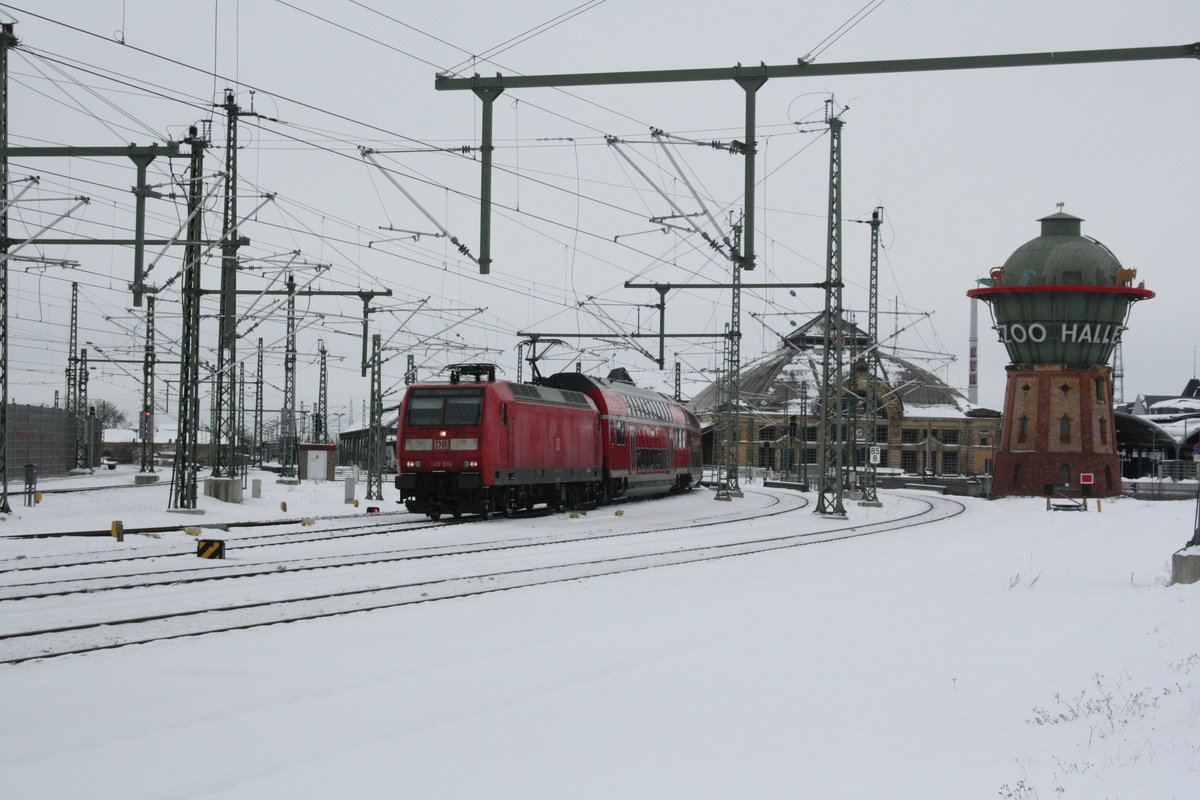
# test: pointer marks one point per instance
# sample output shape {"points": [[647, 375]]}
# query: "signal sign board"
{"points": [[1087, 478], [874, 454]]}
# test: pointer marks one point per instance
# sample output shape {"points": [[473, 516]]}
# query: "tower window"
{"points": [[1023, 428], [1100, 398], [1064, 428]]}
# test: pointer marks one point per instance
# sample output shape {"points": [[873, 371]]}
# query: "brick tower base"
{"points": [[1058, 425]]}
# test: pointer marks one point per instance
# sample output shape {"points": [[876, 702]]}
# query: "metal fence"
{"points": [[1159, 490], [1180, 470], [45, 437]]}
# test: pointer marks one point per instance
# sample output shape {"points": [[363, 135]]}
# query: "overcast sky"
{"points": [[964, 164]]}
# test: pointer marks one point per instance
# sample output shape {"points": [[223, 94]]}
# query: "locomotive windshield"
{"points": [[444, 406]]}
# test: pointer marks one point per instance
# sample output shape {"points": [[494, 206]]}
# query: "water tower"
{"points": [[1059, 304]]}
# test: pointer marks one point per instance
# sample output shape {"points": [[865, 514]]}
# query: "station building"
{"points": [[924, 427], [1157, 435]]}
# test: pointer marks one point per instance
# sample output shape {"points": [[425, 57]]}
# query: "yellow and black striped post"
{"points": [[210, 548]]}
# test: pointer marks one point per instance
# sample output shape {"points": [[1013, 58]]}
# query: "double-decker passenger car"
{"points": [[651, 443], [478, 445]]}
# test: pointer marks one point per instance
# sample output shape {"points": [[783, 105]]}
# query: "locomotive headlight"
{"points": [[470, 464], [412, 464]]}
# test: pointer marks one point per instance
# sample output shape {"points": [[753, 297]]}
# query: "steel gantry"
{"points": [[728, 481], [147, 420], [488, 88], [7, 42], [870, 494], [72, 404], [321, 412], [831, 449], [258, 408], [289, 454], [183, 476], [375, 427], [225, 451], [83, 428], [227, 432]]}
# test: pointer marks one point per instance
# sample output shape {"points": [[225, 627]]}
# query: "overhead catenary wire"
{"points": [[575, 229], [521, 38], [841, 30], [462, 248]]}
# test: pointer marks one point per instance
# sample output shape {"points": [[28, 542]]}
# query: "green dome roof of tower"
{"points": [[1062, 298], [1061, 256]]}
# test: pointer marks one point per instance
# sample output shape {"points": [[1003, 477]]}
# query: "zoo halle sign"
{"points": [[1065, 332]]}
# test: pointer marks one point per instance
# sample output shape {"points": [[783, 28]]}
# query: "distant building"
{"points": [[1157, 434], [924, 427], [353, 446]]}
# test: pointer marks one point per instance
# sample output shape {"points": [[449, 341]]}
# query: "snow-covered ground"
{"points": [[1006, 652]]}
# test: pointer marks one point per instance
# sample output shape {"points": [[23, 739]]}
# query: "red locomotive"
{"points": [[484, 446]]}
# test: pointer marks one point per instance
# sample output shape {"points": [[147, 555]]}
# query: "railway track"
{"points": [[135, 553], [214, 571], [341, 531], [491, 571]]}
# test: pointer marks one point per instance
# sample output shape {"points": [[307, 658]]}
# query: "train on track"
{"points": [[476, 445]]}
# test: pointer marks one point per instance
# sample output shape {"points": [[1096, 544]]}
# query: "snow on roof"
{"points": [[781, 377], [1175, 405], [1184, 430], [937, 411]]}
